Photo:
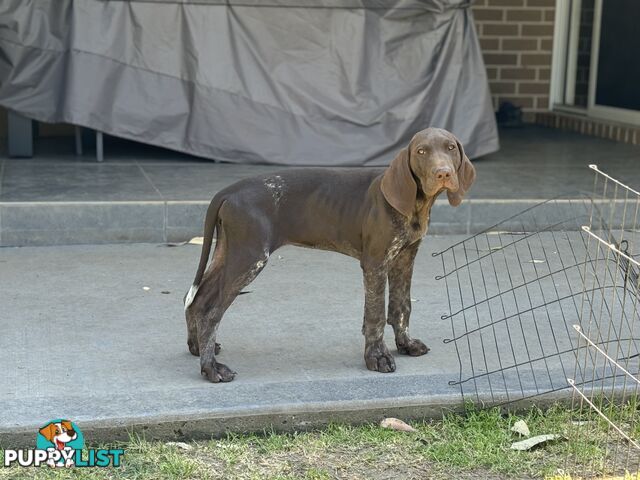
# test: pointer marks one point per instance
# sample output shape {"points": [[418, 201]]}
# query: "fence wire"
{"points": [[545, 304], [606, 411]]}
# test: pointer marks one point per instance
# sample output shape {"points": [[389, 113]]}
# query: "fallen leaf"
{"points": [[534, 261], [396, 424], [196, 241], [166, 292], [529, 443], [521, 428], [180, 445], [146, 289]]}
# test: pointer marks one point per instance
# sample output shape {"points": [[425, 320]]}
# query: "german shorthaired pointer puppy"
{"points": [[375, 215]]}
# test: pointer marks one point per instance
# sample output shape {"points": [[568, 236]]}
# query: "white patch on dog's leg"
{"points": [[190, 296]]}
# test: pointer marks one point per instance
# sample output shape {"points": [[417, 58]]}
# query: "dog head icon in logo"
{"points": [[61, 435]]}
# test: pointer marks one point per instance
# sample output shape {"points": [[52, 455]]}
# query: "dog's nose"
{"points": [[443, 173]]}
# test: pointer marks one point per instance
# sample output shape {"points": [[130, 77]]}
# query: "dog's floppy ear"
{"points": [[48, 431], [398, 185], [66, 424], [466, 177]]}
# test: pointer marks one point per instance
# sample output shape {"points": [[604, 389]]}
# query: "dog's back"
{"points": [[311, 207]]}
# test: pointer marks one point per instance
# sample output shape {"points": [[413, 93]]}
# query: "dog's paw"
{"points": [[413, 347], [379, 359], [218, 372]]}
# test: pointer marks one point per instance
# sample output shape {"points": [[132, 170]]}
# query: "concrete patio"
{"points": [[83, 339]]}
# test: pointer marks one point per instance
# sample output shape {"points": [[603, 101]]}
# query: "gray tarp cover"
{"points": [[323, 82]]}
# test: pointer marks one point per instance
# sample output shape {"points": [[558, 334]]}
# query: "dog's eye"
{"points": [[421, 151], [451, 147]]}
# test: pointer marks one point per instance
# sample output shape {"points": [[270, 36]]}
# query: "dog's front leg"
{"points": [[376, 354], [400, 273]]}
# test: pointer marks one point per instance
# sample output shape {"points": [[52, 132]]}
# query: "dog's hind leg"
{"points": [[197, 306], [236, 273], [238, 260]]}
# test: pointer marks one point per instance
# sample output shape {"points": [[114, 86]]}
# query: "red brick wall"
{"points": [[516, 37]]}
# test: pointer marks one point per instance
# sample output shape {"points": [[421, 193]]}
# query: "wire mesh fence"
{"points": [[545, 305], [606, 360]]}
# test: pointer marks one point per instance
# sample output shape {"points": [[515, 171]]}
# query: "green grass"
{"points": [[458, 446]]}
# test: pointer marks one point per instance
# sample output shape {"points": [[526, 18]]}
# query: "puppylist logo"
{"points": [[59, 444]]}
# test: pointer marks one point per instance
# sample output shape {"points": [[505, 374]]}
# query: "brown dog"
{"points": [[375, 215]]}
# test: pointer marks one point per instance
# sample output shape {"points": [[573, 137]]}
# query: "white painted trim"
{"points": [[559, 53], [573, 110], [622, 115], [572, 53], [595, 49]]}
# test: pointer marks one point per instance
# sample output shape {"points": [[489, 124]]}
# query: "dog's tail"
{"points": [[210, 222]]}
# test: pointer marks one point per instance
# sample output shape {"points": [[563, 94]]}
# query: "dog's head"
{"points": [[59, 433], [433, 161]]}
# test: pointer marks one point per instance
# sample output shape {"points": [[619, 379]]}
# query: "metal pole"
{"points": [[99, 147]]}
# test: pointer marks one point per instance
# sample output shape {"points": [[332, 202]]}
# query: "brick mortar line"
{"points": [[510, 22], [507, 23], [534, 79], [522, 94], [513, 51], [493, 8], [516, 24], [519, 8], [496, 37]]}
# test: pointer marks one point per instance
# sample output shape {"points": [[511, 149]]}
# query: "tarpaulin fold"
{"points": [[298, 82]]}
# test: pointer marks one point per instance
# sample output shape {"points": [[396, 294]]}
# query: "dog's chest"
{"points": [[409, 233], [403, 239]]}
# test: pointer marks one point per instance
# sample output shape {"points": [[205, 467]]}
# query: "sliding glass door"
{"points": [[614, 84], [597, 59]]}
